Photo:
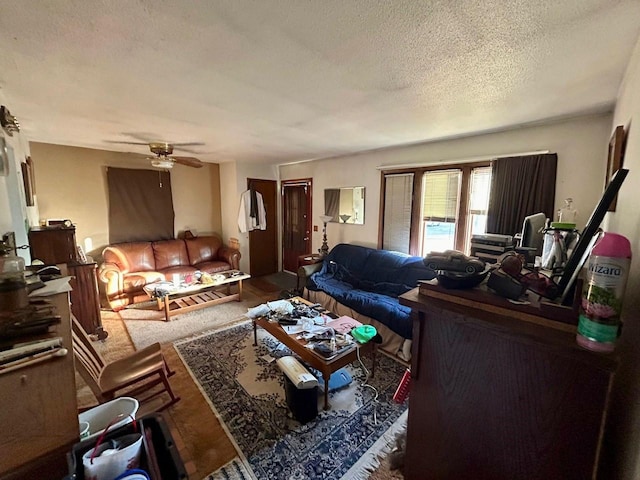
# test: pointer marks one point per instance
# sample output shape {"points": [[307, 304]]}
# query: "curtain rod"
{"points": [[462, 160]]}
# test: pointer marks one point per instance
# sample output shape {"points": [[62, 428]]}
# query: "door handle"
{"points": [[306, 238]]}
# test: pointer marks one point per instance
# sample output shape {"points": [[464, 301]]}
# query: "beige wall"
{"points": [[623, 453], [71, 183], [581, 145], [233, 182]]}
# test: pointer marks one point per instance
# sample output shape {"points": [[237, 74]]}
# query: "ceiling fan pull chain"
{"points": [[160, 178]]}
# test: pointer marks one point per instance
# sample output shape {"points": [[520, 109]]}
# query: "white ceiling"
{"points": [[279, 81]]}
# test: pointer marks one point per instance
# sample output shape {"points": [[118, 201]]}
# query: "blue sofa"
{"points": [[365, 283]]}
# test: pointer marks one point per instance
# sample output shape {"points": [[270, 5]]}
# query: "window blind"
{"points": [[480, 189], [397, 212], [441, 192]]}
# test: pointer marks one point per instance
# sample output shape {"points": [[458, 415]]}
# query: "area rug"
{"points": [[147, 325], [246, 391]]}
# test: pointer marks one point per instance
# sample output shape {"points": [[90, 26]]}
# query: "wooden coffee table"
{"points": [[315, 360], [199, 295]]}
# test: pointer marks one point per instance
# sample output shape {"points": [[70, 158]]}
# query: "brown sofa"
{"points": [[128, 267]]}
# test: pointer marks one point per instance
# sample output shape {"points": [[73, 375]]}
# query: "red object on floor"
{"points": [[402, 392]]}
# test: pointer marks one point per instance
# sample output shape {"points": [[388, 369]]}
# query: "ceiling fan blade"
{"points": [[126, 143], [188, 144], [188, 161]]}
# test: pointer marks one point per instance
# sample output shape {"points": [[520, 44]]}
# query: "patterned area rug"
{"points": [[246, 391]]}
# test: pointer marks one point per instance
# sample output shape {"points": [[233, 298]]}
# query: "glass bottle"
{"points": [[11, 265], [568, 214]]}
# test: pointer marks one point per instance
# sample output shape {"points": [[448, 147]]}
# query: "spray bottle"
{"points": [[599, 323]]}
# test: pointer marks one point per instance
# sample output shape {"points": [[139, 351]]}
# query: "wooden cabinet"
{"points": [[57, 245], [38, 411], [53, 245], [499, 392], [85, 299]]}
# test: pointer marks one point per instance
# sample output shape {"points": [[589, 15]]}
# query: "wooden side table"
{"points": [[309, 259]]}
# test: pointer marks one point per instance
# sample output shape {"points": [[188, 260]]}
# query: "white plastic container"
{"points": [[122, 409]]}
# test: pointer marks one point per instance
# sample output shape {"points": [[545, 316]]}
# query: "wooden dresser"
{"points": [[38, 411], [500, 391], [57, 245]]}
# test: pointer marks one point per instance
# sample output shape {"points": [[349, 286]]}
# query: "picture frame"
{"points": [[4, 157], [615, 159]]}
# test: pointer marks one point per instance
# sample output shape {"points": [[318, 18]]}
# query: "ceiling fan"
{"points": [[163, 154], [164, 159]]}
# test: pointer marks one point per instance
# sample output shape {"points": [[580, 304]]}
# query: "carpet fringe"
{"points": [[365, 466], [241, 456]]}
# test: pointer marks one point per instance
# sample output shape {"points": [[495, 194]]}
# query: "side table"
{"points": [[309, 259]]}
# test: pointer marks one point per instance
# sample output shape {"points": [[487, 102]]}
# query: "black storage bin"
{"points": [[160, 457], [303, 402]]}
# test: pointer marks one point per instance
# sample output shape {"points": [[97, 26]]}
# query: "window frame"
{"points": [[416, 221]]}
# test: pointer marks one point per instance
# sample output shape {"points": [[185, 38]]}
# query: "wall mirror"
{"points": [[345, 204]]}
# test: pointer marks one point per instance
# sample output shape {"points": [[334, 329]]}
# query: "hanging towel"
{"points": [[246, 222]]}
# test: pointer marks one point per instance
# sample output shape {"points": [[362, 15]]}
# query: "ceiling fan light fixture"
{"points": [[161, 162]]}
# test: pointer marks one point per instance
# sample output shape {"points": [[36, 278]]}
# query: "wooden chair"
{"points": [[135, 374]]}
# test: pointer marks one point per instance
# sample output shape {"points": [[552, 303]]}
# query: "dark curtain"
{"points": [[332, 203], [140, 205], [520, 186]]}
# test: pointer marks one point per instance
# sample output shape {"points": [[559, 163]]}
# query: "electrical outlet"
{"points": [[315, 228]]}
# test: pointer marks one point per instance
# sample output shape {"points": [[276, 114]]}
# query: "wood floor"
{"points": [[201, 440]]}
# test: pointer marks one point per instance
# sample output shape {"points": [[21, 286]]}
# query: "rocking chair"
{"points": [[145, 368]]}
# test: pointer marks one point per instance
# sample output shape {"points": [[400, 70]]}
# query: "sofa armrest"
{"points": [[231, 256], [112, 276], [305, 272]]}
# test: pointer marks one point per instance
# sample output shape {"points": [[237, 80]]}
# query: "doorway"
{"points": [[263, 244], [296, 222]]}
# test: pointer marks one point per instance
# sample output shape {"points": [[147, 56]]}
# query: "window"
{"points": [[480, 188], [452, 206], [398, 192], [440, 203]]}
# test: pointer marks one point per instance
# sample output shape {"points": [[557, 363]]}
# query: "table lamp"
{"points": [[324, 249]]}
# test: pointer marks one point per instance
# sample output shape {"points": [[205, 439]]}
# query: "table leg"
{"points": [[374, 359], [166, 308], [255, 333], [326, 390], [240, 290]]}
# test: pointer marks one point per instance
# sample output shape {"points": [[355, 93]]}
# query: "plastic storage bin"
{"points": [[160, 457], [99, 417]]}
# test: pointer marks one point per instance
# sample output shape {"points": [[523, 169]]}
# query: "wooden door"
{"points": [[263, 244], [296, 222]]}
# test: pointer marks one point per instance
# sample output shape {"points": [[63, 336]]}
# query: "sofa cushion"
{"points": [[384, 308], [202, 249], [170, 253], [213, 267], [133, 282], [131, 257], [369, 281], [181, 270]]}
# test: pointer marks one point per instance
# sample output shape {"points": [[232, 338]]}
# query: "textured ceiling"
{"points": [[279, 81]]}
